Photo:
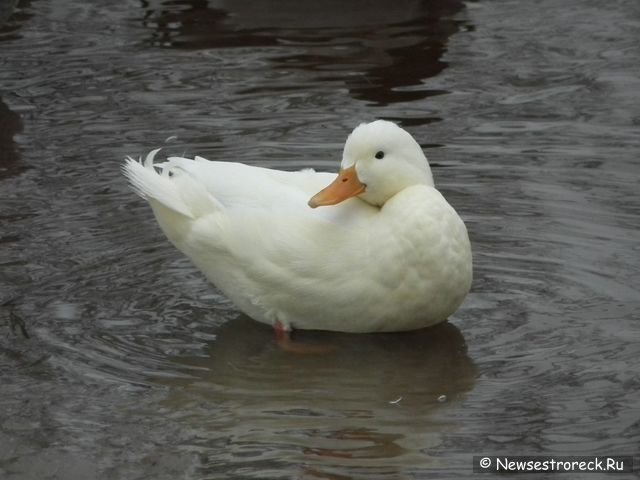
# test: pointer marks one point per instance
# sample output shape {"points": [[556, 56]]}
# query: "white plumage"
{"points": [[396, 257]]}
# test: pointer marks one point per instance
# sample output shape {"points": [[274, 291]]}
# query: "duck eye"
{"points": [[380, 155]]}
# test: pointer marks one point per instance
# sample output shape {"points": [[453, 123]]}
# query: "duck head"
{"points": [[379, 160]]}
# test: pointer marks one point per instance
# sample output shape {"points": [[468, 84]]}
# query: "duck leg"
{"points": [[286, 343]]}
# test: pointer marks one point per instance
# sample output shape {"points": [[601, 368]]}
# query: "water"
{"points": [[117, 360]]}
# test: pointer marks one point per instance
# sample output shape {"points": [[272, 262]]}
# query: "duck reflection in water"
{"points": [[373, 401]]}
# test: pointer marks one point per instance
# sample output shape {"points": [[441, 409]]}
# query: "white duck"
{"points": [[390, 254]]}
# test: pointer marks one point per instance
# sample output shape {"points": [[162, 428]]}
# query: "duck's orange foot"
{"points": [[286, 343]]}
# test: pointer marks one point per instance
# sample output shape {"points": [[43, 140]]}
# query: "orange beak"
{"points": [[346, 185]]}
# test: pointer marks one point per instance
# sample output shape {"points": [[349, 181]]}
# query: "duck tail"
{"points": [[169, 185]]}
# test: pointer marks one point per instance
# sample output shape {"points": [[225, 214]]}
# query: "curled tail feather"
{"points": [[169, 185]]}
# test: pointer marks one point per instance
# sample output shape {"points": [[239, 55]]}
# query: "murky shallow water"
{"points": [[134, 367]]}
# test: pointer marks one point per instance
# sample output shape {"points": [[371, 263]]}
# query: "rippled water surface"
{"points": [[118, 360]]}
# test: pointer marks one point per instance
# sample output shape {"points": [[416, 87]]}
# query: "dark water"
{"points": [[118, 361]]}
